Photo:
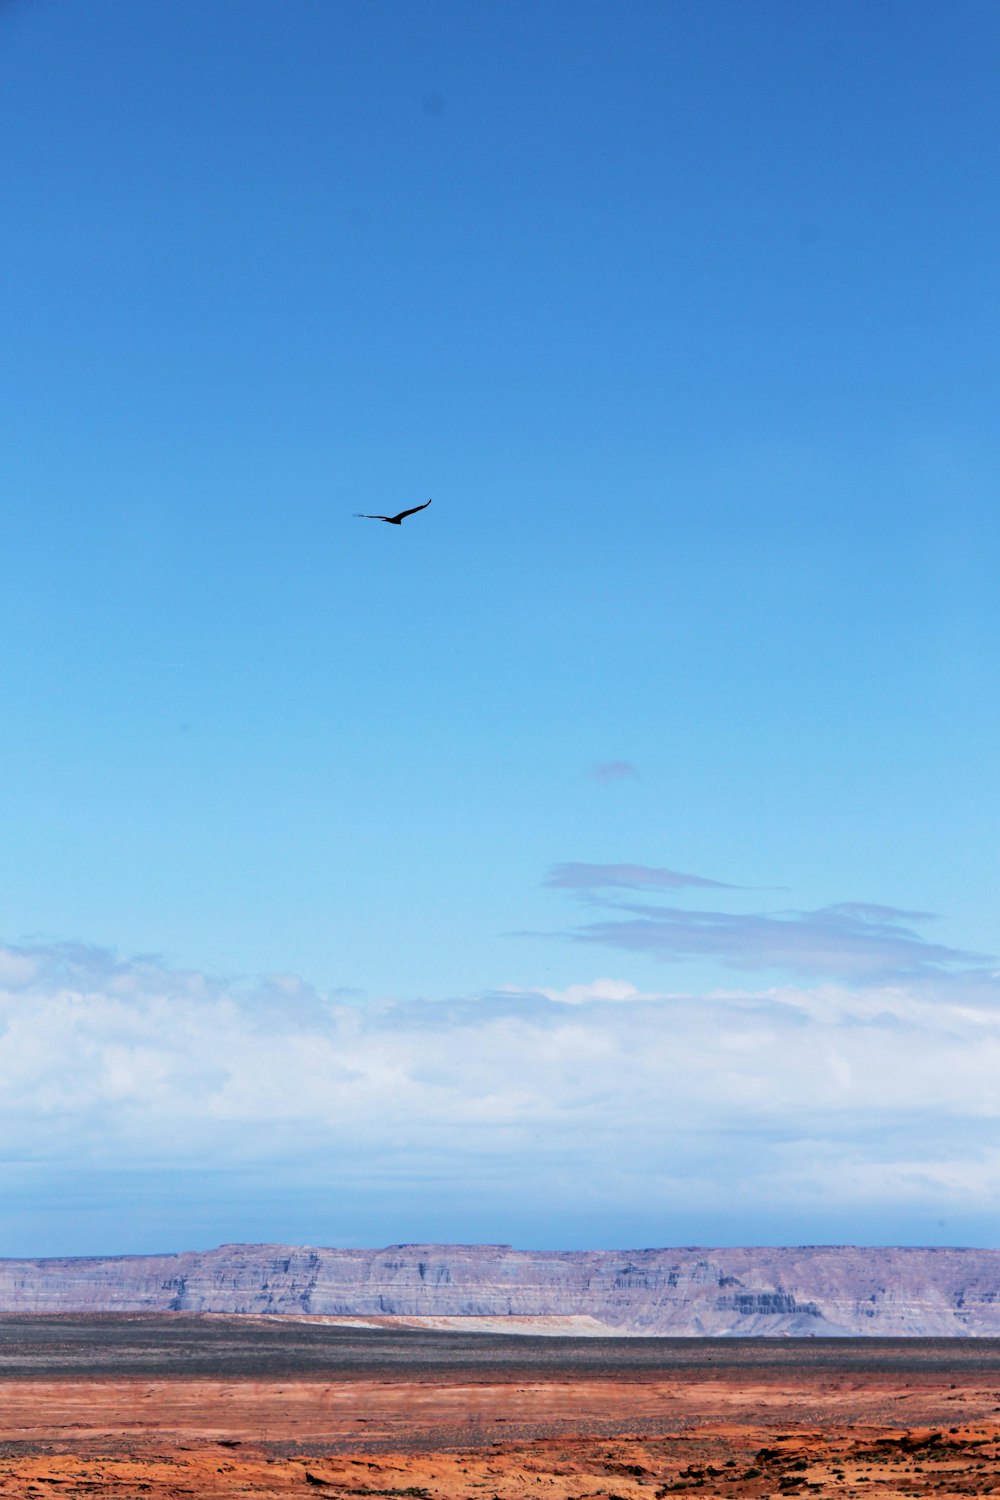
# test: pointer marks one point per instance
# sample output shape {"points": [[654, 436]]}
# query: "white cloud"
{"points": [[597, 989], [597, 1090]]}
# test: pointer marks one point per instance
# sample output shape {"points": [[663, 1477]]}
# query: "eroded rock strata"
{"points": [[814, 1290]]}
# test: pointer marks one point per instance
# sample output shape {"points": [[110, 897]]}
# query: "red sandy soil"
{"points": [[851, 1435]]}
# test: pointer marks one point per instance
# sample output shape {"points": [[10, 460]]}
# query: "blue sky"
{"points": [[665, 738]]}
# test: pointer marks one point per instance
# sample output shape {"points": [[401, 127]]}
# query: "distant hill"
{"points": [[826, 1291]]}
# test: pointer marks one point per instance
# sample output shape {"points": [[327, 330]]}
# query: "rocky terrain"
{"points": [[880, 1464], [810, 1291], [750, 1420]]}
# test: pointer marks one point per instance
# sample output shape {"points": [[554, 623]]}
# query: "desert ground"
{"points": [[172, 1405]]}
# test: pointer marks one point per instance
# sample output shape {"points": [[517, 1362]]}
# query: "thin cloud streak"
{"points": [[849, 940], [852, 940], [587, 877]]}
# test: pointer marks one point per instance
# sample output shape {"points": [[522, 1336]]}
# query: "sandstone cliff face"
{"points": [[824, 1290]]}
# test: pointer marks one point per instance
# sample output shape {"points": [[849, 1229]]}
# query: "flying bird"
{"points": [[394, 520]]}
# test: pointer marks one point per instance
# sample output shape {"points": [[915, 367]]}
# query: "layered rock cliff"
{"points": [[814, 1290]]}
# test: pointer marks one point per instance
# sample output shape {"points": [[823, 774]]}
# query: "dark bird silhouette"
{"points": [[393, 520]]}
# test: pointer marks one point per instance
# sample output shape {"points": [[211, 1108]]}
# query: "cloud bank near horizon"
{"points": [[834, 1096]]}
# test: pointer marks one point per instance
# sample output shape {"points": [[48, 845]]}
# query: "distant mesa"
{"points": [[816, 1291]]}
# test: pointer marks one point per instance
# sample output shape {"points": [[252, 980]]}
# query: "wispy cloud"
{"points": [[849, 940], [613, 770], [584, 877]]}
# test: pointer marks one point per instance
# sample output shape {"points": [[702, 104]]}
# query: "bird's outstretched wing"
{"points": [[404, 513], [362, 517]]}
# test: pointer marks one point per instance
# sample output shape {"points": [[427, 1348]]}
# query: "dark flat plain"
{"points": [[186, 1346]]}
